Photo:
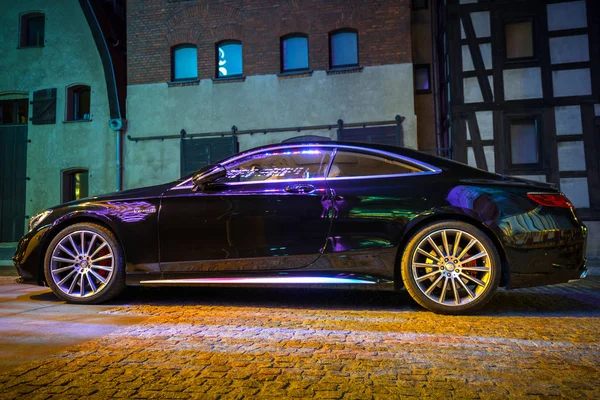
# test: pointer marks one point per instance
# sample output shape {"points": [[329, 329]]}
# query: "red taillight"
{"points": [[551, 200]]}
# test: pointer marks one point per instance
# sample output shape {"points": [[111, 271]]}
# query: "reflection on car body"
{"points": [[320, 214]]}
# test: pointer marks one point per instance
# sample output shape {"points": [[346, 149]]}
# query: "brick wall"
{"points": [[154, 26]]}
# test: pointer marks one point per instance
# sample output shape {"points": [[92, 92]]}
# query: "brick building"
{"points": [[274, 70]]}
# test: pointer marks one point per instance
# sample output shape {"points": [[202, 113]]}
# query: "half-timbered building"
{"points": [[523, 80]]}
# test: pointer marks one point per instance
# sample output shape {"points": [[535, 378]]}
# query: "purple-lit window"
{"points": [[343, 48], [297, 164], [294, 53], [422, 79]]}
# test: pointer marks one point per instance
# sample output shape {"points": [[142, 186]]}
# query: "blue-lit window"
{"points": [[229, 59], [185, 62], [294, 53], [343, 49]]}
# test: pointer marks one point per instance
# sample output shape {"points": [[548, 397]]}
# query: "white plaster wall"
{"points": [[521, 84], [593, 242], [472, 90], [576, 189], [68, 56], [481, 23], [375, 94], [573, 82], [485, 121], [567, 15], [568, 120], [569, 49], [571, 156], [486, 54]]}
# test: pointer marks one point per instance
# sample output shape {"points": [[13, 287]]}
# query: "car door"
{"points": [[270, 211], [374, 195]]}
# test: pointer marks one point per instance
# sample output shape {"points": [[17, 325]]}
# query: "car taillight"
{"points": [[551, 200]]}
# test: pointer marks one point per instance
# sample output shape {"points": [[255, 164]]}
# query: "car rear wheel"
{"points": [[84, 264], [451, 267]]}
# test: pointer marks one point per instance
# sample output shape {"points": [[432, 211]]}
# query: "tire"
{"points": [[98, 263], [460, 282]]}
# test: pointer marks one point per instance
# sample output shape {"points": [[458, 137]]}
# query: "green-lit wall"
{"points": [[69, 56]]}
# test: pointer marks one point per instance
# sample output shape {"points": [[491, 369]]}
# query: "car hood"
{"points": [[131, 194]]}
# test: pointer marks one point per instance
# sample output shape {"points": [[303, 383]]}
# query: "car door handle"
{"points": [[302, 188]]}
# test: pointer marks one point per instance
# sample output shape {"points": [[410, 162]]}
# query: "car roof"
{"points": [[435, 161]]}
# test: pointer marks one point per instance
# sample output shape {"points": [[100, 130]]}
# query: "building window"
{"points": [[519, 40], [74, 184], [229, 59], [78, 103], [32, 30], [420, 4], [294, 53], [524, 142], [343, 48], [184, 62], [43, 107], [13, 112], [422, 78]]}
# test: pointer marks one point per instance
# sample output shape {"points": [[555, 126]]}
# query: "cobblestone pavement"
{"points": [[258, 343]]}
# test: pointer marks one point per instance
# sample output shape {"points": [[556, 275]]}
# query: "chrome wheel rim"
{"points": [[82, 264], [451, 267]]}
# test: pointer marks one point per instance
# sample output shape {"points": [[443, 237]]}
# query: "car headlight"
{"points": [[36, 219]]}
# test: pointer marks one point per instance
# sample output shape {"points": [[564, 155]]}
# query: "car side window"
{"points": [[294, 163], [349, 164]]}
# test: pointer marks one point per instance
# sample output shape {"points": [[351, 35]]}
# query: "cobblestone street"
{"points": [[276, 343]]}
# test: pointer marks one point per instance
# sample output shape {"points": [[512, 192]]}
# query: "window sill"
{"points": [[344, 70], [232, 79], [186, 82], [295, 74], [77, 120]]}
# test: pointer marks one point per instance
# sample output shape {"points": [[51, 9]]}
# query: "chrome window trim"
{"points": [[430, 170], [368, 177]]}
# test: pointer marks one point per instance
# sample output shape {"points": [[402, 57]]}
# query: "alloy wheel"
{"points": [[82, 263], [451, 267]]}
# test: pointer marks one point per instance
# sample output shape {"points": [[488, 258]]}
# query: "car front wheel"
{"points": [[451, 267], [84, 264]]}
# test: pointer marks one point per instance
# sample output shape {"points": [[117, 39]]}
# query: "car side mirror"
{"points": [[201, 180]]}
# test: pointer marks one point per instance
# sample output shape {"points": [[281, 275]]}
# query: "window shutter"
{"points": [[200, 152], [44, 107]]}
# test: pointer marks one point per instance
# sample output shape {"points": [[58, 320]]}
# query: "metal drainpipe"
{"points": [[121, 125], [119, 160]]}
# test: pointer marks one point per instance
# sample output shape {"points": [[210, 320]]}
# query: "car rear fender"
{"points": [[419, 222]]}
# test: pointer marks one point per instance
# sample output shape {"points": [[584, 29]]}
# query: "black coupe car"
{"points": [[318, 214]]}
